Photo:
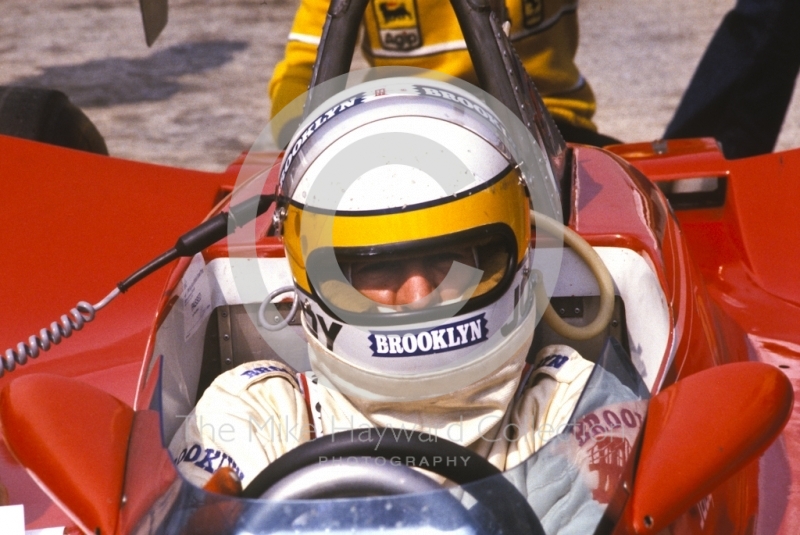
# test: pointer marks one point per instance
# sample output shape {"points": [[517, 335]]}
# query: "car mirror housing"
{"points": [[74, 439], [699, 432]]}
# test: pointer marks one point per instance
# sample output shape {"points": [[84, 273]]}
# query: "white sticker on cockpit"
{"points": [[12, 518], [196, 296]]}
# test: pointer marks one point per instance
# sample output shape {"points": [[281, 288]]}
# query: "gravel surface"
{"points": [[198, 97]]}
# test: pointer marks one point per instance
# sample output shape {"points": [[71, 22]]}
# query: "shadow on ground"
{"points": [[113, 81]]}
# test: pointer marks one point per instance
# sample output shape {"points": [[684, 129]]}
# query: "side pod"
{"points": [[73, 438], [700, 431]]}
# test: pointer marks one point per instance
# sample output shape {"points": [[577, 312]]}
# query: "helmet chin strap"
{"points": [[344, 376]]}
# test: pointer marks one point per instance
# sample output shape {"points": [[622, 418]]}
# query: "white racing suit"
{"points": [[253, 414]]}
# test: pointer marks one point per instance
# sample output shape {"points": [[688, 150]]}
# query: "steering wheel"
{"points": [[305, 473]]}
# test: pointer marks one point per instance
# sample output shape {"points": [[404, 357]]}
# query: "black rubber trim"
{"points": [[499, 496], [404, 444]]}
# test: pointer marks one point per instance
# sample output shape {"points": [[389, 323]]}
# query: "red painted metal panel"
{"points": [[74, 438], [74, 224], [746, 252], [674, 473]]}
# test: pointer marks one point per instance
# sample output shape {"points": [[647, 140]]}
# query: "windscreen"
{"points": [[571, 485]]}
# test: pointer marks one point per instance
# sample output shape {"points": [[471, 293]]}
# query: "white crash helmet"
{"points": [[396, 170]]}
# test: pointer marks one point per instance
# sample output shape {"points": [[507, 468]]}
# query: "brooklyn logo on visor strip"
{"points": [[467, 103], [313, 126], [419, 342]]}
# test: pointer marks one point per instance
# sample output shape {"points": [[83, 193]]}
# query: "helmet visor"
{"points": [[432, 278]]}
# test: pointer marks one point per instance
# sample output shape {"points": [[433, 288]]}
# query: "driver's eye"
{"points": [[372, 270], [443, 261], [375, 275], [390, 274]]}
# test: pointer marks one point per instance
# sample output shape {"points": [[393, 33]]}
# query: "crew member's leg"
{"points": [[584, 136], [743, 85]]}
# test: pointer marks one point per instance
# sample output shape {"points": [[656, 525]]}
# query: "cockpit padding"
{"points": [[580, 310], [232, 339]]}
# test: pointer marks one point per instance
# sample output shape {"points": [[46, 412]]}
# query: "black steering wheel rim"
{"points": [[509, 508], [421, 449]]}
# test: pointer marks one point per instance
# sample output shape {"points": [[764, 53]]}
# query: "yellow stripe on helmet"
{"points": [[502, 202]]}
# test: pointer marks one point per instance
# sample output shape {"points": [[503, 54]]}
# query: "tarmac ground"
{"points": [[197, 98]]}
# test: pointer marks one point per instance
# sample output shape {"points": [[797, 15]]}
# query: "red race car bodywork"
{"points": [[724, 261], [702, 253]]}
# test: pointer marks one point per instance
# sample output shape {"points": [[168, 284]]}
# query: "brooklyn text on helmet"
{"points": [[425, 342], [311, 128]]}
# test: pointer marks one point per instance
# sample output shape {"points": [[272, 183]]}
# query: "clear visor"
{"points": [[451, 271]]}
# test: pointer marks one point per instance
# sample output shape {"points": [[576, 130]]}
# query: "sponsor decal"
{"points": [[704, 507], [398, 24], [415, 343], [532, 12], [553, 361], [509, 327], [607, 458], [325, 333], [606, 436], [261, 370], [196, 297], [467, 103], [607, 420], [314, 126], [209, 459]]}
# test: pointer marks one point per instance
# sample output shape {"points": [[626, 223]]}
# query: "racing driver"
{"points": [[406, 227]]}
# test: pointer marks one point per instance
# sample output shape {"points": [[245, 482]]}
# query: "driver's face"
{"points": [[411, 281]]}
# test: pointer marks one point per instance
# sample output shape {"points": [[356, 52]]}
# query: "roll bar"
{"points": [[499, 69]]}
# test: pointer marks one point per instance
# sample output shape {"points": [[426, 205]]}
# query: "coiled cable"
{"points": [[207, 233], [81, 314]]}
